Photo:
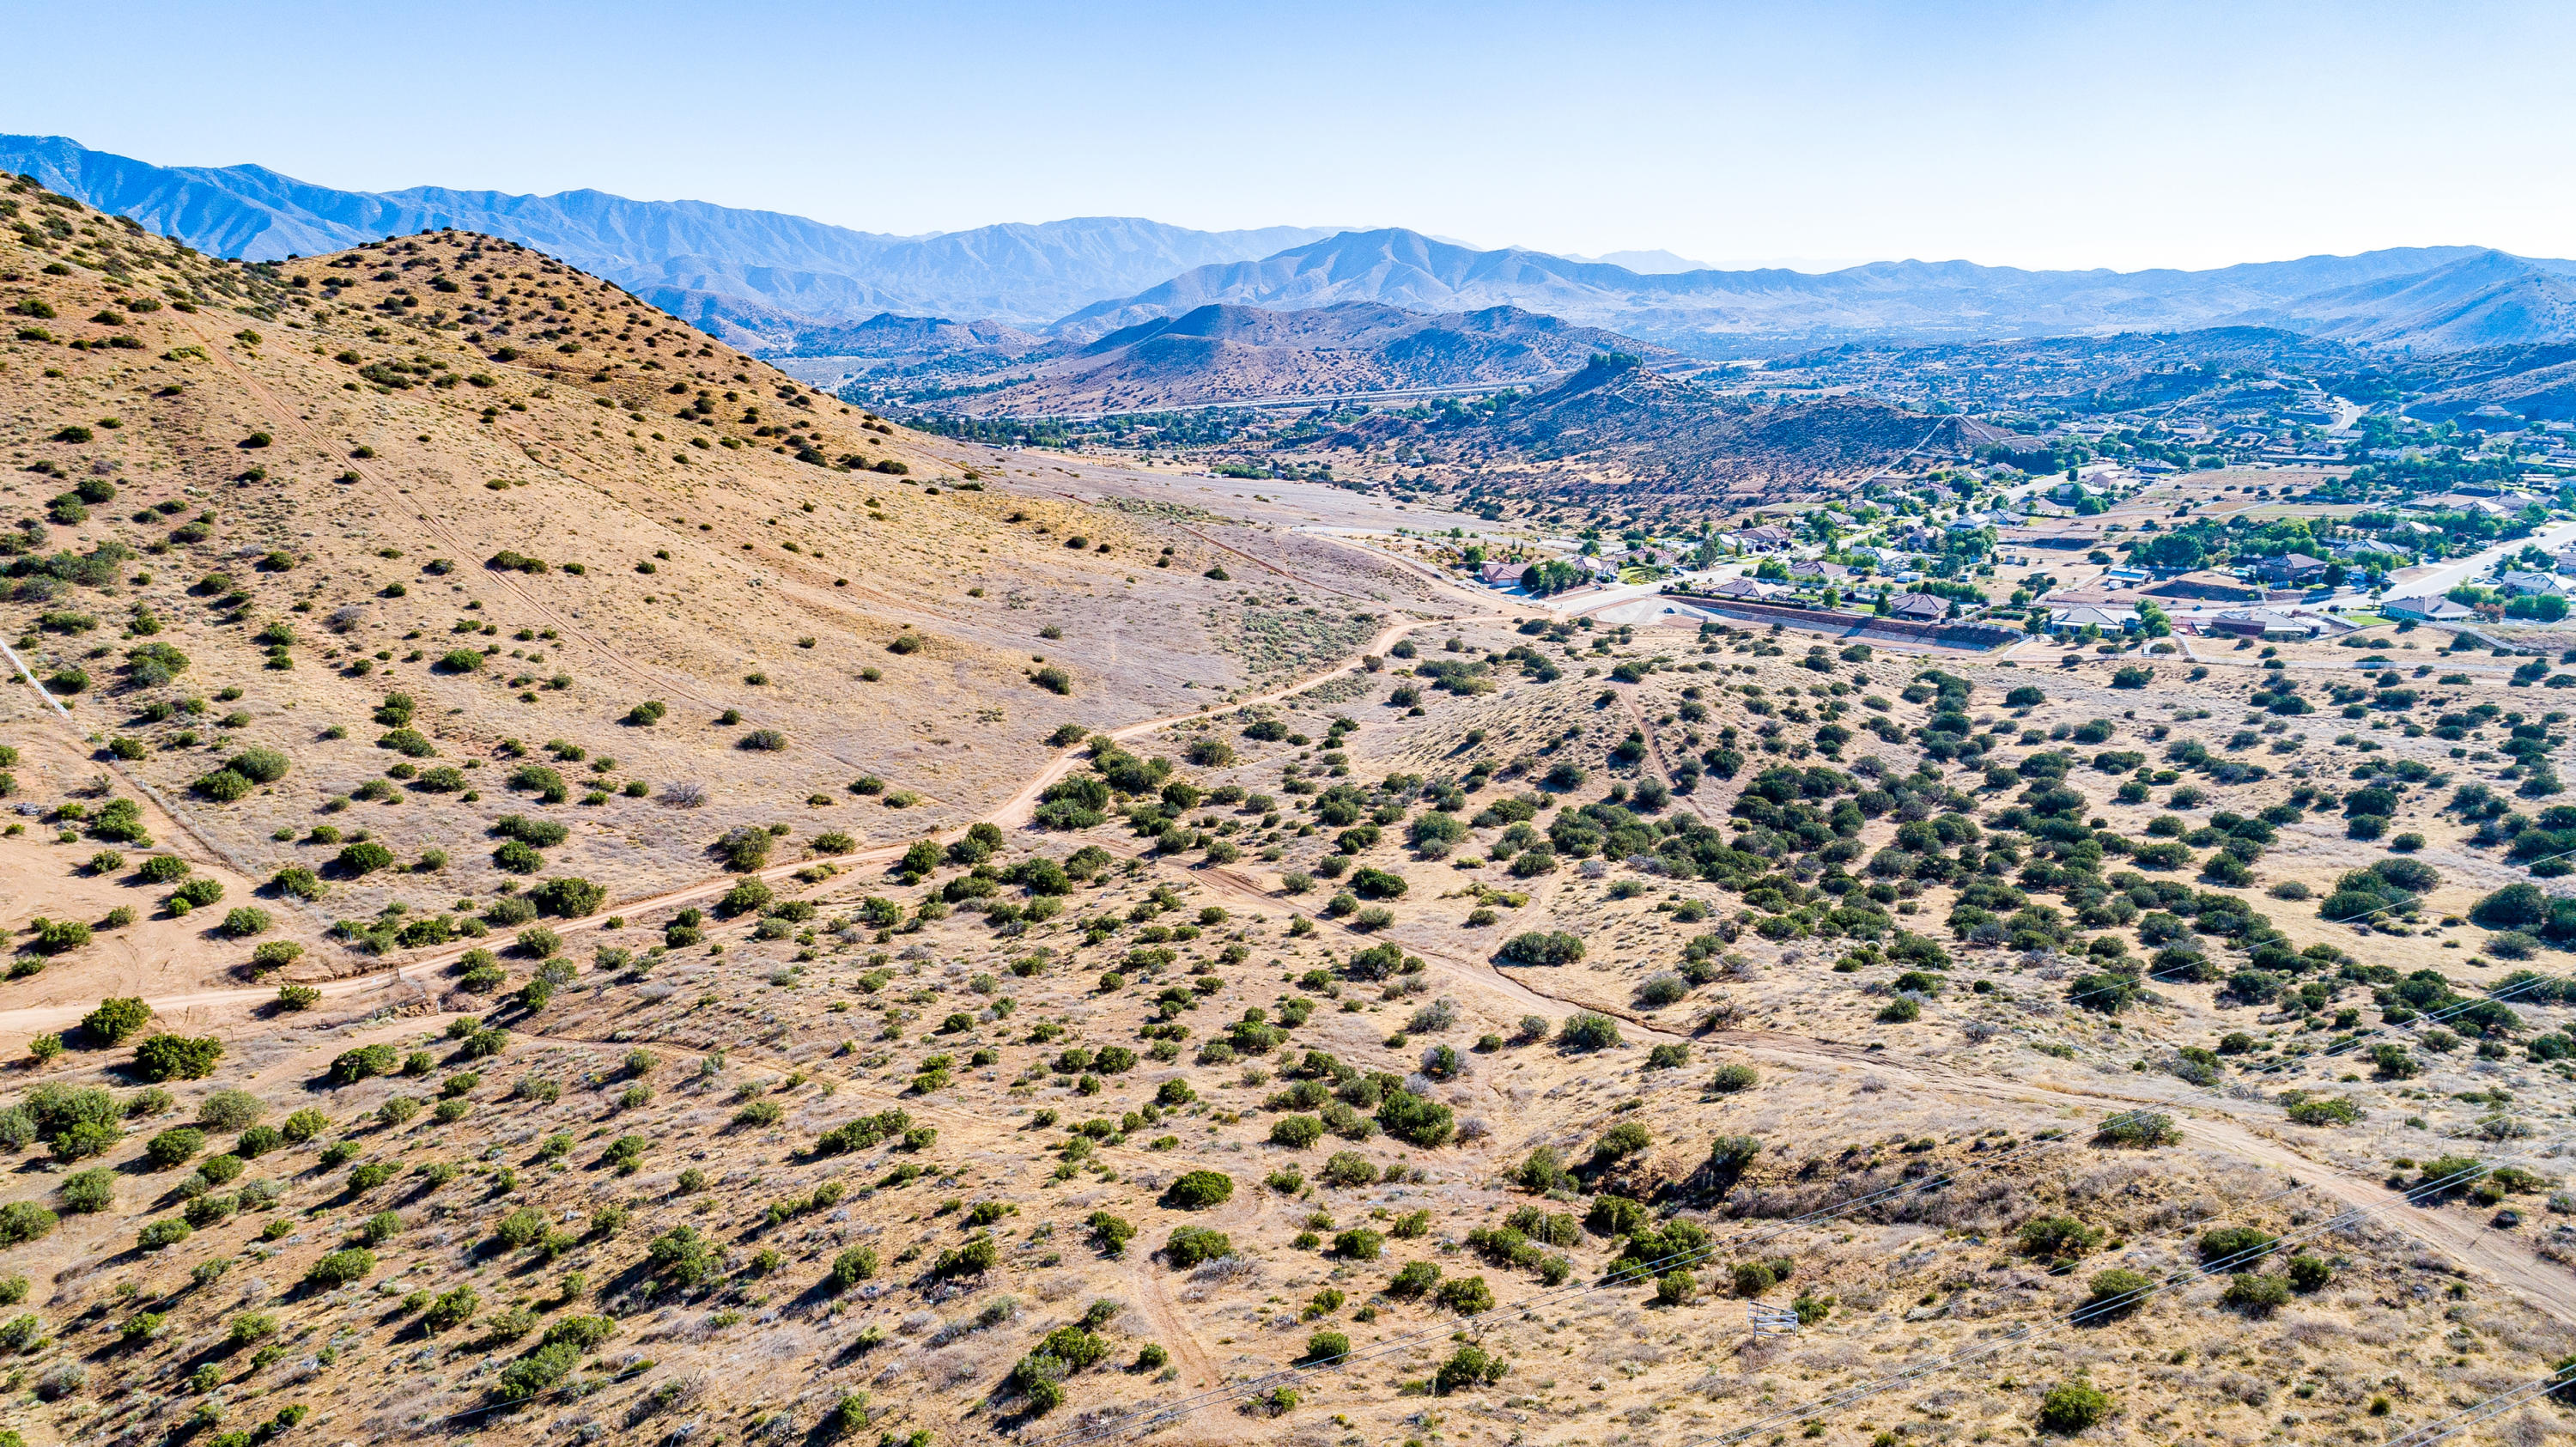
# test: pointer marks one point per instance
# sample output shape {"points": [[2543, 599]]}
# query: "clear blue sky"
{"points": [[2042, 134]]}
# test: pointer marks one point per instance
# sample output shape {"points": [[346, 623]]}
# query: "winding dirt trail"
{"points": [[1014, 813], [2489, 1250]]}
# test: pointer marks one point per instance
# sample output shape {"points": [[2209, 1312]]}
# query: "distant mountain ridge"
{"points": [[2486, 299], [787, 285], [752, 273], [2448, 297]]}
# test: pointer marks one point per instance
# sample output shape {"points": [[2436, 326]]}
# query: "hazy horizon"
{"points": [[2120, 135]]}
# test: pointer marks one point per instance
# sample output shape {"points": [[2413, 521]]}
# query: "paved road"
{"points": [[2443, 577]]}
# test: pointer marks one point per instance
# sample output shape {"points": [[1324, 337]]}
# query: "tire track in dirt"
{"points": [[1013, 813], [1429, 574], [1156, 1300], [2464, 1240], [413, 970], [1478, 974], [1663, 762], [177, 820]]}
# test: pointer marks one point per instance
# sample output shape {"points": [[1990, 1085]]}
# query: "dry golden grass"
{"points": [[713, 1047]]}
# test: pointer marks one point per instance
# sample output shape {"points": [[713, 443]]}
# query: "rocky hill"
{"points": [[1619, 431], [1219, 354]]}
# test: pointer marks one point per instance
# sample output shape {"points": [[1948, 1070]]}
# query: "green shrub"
{"points": [[174, 1147], [2256, 1296], [24, 1221], [569, 897], [2116, 1293], [161, 1235], [1465, 1295], [452, 1307], [974, 1258], [853, 1266], [745, 896], [89, 1192], [539, 1371], [2138, 1128], [2325, 1112], [687, 1257], [1752, 1278], [177, 1057], [163, 869], [1538, 948], [1585, 1031], [230, 1109], [1360, 1244], [259, 765], [2054, 1238], [223, 786], [2072, 1407], [114, 1020], [1296, 1132], [521, 1228], [1469, 1366], [1187, 1246], [296, 882], [352, 1066], [1622, 1140], [1347, 1168], [342, 1267], [196, 894], [60, 936], [2234, 1247], [244, 921], [1198, 1190]]}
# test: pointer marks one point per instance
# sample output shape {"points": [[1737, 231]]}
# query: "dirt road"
{"points": [[17, 1026]]}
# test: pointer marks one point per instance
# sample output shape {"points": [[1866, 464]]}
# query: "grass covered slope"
{"points": [[1466, 994], [1461, 1043], [438, 531]]}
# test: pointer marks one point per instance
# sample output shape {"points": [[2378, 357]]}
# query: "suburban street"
{"points": [[2442, 577]]}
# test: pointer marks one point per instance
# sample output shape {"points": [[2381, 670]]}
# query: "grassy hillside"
{"points": [[1457, 1042], [444, 506]]}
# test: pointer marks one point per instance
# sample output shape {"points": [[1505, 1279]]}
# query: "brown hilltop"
{"points": [[337, 478]]}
